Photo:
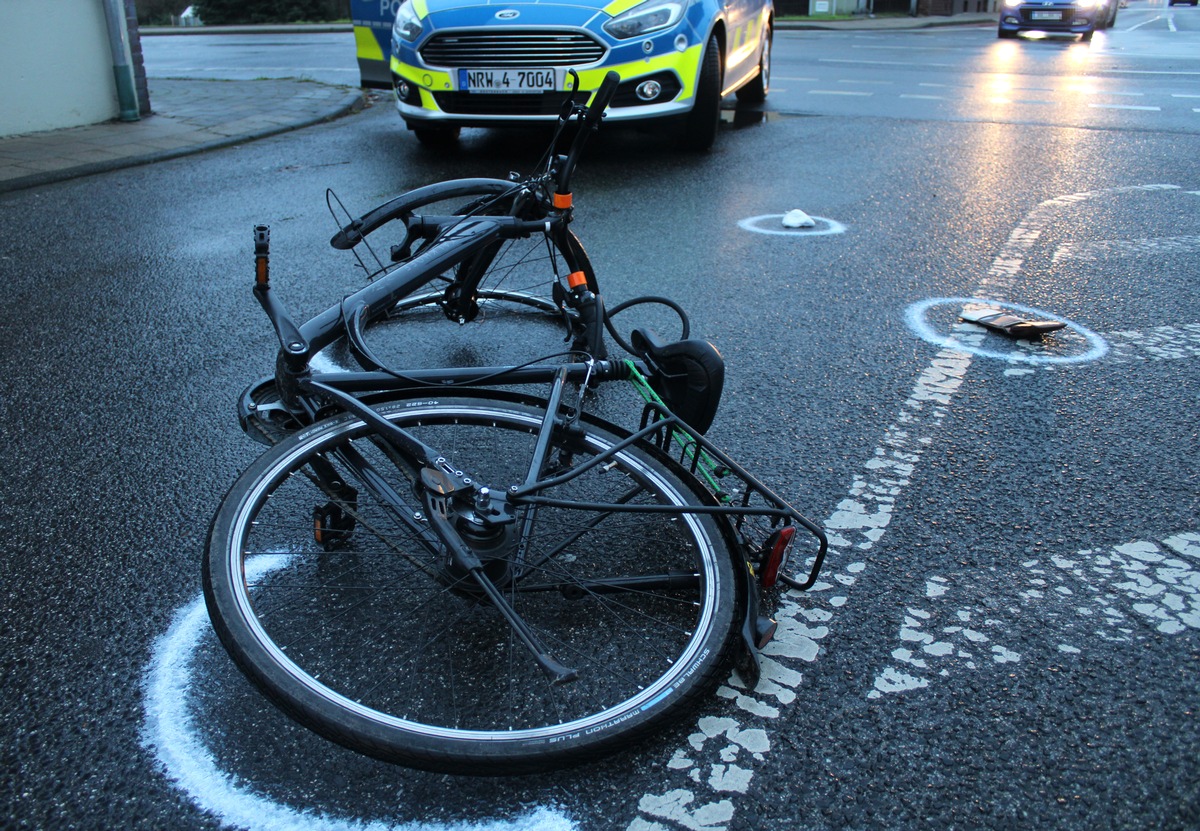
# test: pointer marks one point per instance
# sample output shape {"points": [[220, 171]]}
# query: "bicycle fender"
{"points": [[746, 650]]}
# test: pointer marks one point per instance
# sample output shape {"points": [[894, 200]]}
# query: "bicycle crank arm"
{"points": [[463, 558]]}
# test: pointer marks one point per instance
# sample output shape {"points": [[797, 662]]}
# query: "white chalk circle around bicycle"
{"points": [[773, 224], [916, 317], [170, 733]]}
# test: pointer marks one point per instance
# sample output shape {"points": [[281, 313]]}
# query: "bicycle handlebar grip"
{"points": [[604, 96]]}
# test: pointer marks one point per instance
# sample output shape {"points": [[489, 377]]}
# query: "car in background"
{"points": [[1078, 17], [475, 63]]}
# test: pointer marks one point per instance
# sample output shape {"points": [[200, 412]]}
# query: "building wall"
{"points": [[56, 65]]}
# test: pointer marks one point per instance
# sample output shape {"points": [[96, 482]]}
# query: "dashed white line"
{"points": [[1150, 246], [1125, 107], [1110, 589]]}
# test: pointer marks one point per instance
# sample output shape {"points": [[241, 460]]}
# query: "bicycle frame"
{"points": [[449, 241]]}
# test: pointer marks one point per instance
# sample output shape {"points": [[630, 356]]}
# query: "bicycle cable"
{"points": [[355, 335], [685, 323]]}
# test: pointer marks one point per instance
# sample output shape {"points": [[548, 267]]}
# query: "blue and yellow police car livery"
{"points": [[457, 63]]}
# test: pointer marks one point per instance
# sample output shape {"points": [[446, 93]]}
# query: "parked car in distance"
{"points": [[1189, 2], [1079, 17], [461, 63]]}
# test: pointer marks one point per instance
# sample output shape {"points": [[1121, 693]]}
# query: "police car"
{"points": [[458, 63]]}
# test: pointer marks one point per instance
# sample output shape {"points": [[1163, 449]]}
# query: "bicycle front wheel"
{"points": [[498, 290], [369, 637]]}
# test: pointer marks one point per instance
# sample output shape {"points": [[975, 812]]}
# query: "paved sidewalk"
{"points": [[189, 116]]}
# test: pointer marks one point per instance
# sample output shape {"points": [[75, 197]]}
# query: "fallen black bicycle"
{"points": [[461, 569]]}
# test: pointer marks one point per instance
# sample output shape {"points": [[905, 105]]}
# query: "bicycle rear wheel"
{"points": [[371, 640]]}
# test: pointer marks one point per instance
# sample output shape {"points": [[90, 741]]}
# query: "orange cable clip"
{"points": [[562, 201]]}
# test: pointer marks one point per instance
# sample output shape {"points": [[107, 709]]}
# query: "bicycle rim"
{"points": [[376, 644]]}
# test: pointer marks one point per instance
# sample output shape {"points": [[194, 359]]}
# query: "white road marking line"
{"points": [[1110, 589], [1124, 107], [1153, 246], [1146, 22], [1163, 343], [886, 63]]}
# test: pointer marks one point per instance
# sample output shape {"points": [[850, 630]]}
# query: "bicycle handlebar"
{"points": [[603, 97], [591, 121]]}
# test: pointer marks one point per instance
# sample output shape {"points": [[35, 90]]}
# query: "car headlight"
{"points": [[645, 18], [1085, 4], [1012, 3], [407, 26]]}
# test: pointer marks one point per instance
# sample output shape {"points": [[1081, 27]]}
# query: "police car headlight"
{"points": [[650, 16], [407, 26]]}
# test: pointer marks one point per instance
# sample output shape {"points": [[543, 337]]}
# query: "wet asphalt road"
{"points": [[1007, 636]]}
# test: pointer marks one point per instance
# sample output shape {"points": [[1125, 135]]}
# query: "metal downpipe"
{"points": [[118, 42]]}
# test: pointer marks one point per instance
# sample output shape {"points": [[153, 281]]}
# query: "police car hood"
{"points": [[445, 14]]}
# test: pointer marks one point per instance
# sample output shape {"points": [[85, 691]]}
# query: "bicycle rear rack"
{"points": [[674, 437]]}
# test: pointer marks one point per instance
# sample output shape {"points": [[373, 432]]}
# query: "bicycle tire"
{"points": [[371, 643]]}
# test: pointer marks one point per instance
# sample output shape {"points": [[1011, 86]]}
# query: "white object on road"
{"points": [[798, 219]]}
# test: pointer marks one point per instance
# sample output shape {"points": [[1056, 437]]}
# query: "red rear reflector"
{"points": [[774, 556]]}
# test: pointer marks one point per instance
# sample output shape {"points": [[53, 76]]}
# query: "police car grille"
{"points": [[515, 49], [468, 103]]}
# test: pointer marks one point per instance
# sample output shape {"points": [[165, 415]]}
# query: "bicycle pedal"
{"points": [[331, 525]]}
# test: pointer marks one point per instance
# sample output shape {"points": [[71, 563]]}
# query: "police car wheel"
{"points": [[698, 129], [756, 91]]}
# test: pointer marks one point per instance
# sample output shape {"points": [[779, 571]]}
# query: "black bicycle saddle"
{"points": [[688, 375]]}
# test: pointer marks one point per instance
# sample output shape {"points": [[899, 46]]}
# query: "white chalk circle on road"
{"points": [[170, 733], [773, 224], [1092, 346]]}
